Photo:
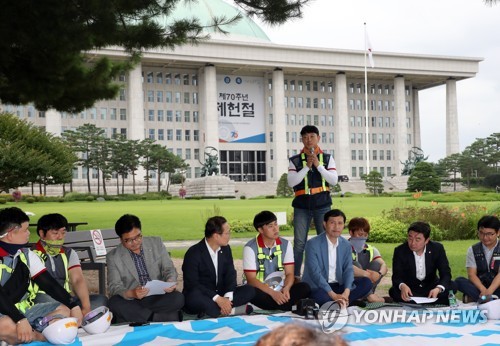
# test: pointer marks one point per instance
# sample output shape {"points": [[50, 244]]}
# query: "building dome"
{"points": [[204, 10]]}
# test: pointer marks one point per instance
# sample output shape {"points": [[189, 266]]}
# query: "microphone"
{"points": [[312, 151]]}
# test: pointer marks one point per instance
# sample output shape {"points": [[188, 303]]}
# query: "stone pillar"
{"points": [[280, 162], [53, 122], [452, 140], [400, 131], [135, 107], [341, 125], [209, 116], [417, 141]]}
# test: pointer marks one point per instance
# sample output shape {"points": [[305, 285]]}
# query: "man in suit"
{"points": [[131, 265], [415, 265], [209, 275], [328, 265]]}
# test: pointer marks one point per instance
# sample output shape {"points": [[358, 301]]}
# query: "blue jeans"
{"points": [[301, 221], [361, 287], [467, 287]]}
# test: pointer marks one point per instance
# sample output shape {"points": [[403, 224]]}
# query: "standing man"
{"points": [[20, 269], [415, 265], [328, 266], [131, 265], [209, 274], [63, 262], [267, 254], [483, 262], [310, 174]]}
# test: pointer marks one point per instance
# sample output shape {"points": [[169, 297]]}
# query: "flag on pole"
{"points": [[369, 49]]}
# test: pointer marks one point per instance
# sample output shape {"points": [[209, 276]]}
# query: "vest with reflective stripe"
{"points": [[268, 263], [28, 300], [313, 179], [46, 259], [368, 248]]}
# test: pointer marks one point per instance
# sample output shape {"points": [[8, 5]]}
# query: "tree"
{"points": [[373, 182], [163, 161], [424, 178], [30, 155], [450, 166], [43, 44], [283, 190]]}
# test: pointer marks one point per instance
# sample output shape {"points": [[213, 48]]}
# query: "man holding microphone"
{"points": [[310, 174]]}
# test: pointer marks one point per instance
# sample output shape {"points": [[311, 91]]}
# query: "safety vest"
{"points": [[307, 188], [368, 248], [29, 298], [45, 259], [262, 257], [486, 271]]}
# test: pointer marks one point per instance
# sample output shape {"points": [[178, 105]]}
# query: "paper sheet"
{"points": [[158, 287], [423, 300]]}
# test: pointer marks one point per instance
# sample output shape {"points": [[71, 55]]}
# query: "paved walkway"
{"points": [[185, 244]]}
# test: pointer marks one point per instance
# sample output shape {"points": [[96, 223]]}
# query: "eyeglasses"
{"points": [[133, 240], [489, 234]]}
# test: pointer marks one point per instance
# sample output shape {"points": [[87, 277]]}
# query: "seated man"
{"points": [[20, 269], [328, 265], [483, 262], [63, 263], [209, 275], [131, 265], [414, 267], [367, 260], [266, 254]]}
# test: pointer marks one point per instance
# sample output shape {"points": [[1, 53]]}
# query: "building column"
{"points": [[452, 140], [279, 144], [341, 125], [416, 120], [400, 131], [53, 123], [135, 99], [209, 117]]}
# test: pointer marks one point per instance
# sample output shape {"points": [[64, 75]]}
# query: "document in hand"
{"points": [[158, 287]]}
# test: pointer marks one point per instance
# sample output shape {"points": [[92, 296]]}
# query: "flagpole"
{"points": [[367, 132]]}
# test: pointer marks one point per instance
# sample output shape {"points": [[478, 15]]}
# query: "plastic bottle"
{"points": [[452, 300]]}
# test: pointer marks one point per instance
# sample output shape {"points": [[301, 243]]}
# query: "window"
{"points": [[359, 105], [359, 121], [170, 116], [407, 106], [196, 135], [330, 120], [186, 98], [388, 156], [360, 155], [187, 116], [331, 137], [93, 113], [315, 102], [177, 79], [353, 154], [123, 114], [160, 115], [168, 97], [360, 138], [168, 78], [196, 155], [352, 121], [408, 123], [294, 137], [178, 116], [104, 112], [353, 138], [271, 136], [178, 135], [270, 117], [194, 79], [408, 138], [185, 79], [316, 120], [323, 120], [149, 77], [195, 117], [170, 134], [151, 115], [112, 113], [177, 97], [195, 98], [292, 119], [292, 85], [381, 154], [159, 96], [374, 138], [292, 102], [374, 155], [388, 138], [315, 85], [179, 152], [301, 119], [187, 135], [151, 96], [323, 137], [308, 102], [353, 171], [161, 134], [300, 87], [151, 134], [188, 154], [351, 104], [159, 78], [122, 94]]}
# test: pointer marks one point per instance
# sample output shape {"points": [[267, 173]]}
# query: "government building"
{"points": [[248, 98]]}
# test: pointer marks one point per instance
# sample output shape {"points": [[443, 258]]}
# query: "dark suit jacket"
{"points": [[404, 269], [199, 271]]}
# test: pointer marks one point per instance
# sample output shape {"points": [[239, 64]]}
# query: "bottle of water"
{"points": [[452, 300]]}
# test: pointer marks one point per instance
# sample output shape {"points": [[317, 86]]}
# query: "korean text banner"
{"points": [[240, 105]]}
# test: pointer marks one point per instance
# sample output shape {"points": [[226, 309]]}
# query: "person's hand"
{"points": [[77, 312], [225, 305], [24, 331], [339, 299], [140, 292], [406, 292], [170, 289], [345, 296], [286, 293], [279, 297], [434, 292], [312, 160], [85, 310], [373, 275]]}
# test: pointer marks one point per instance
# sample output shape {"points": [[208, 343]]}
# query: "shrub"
{"points": [[243, 197], [30, 199], [3, 200], [386, 230], [241, 226], [89, 198], [61, 200], [270, 196]]}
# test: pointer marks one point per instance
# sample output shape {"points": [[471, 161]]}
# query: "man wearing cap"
{"points": [[209, 275], [310, 174], [20, 268], [267, 254], [63, 262]]}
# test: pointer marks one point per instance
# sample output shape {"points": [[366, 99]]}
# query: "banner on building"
{"points": [[240, 105]]}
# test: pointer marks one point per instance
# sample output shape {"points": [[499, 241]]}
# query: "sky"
{"points": [[464, 28]]}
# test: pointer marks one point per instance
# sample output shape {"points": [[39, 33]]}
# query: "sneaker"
{"points": [[246, 309]]}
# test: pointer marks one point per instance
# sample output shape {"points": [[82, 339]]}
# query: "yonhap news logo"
{"points": [[332, 318]]}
